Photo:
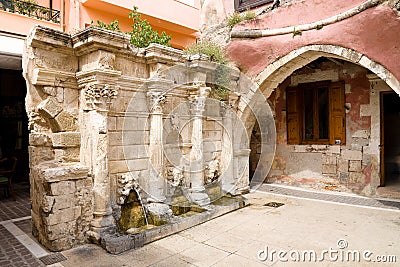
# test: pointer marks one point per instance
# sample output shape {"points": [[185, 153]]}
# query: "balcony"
{"points": [[31, 10]]}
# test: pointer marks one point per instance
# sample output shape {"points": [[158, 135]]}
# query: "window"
{"points": [[315, 113], [242, 5]]}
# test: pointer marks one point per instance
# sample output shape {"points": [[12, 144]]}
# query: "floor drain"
{"points": [[274, 204], [53, 258]]}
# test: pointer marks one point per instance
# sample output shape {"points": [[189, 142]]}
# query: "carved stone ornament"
{"points": [[155, 101], [212, 170], [98, 95], [106, 61], [199, 102], [125, 183], [177, 176]]}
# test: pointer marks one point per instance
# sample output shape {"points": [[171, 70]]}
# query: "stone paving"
{"points": [[235, 239], [13, 253], [21, 207], [332, 197]]}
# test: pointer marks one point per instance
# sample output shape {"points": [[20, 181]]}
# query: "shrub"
{"points": [[236, 18], [219, 89], [142, 34]]}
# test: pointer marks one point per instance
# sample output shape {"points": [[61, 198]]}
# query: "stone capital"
{"points": [[155, 99], [99, 96]]}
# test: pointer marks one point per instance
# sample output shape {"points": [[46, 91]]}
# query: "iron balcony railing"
{"points": [[31, 10]]}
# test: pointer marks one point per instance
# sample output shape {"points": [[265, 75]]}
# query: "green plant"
{"points": [[112, 26], [234, 19], [219, 89], [26, 7], [142, 34], [212, 50], [297, 32], [249, 15], [319, 26]]}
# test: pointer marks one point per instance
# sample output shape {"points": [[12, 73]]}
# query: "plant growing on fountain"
{"points": [[142, 34], [215, 53]]}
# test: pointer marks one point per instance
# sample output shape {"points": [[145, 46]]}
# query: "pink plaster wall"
{"points": [[373, 33], [300, 12]]}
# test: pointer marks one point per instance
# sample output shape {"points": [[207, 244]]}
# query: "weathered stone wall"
{"points": [[353, 166], [103, 116], [60, 186]]}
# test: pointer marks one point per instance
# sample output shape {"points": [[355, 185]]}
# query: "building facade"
{"points": [[18, 17], [330, 73], [322, 75]]}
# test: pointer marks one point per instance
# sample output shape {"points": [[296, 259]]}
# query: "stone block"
{"points": [[62, 216], [60, 94], [365, 110], [67, 154], [127, 124], [40, 154], [63, 202], [131, 138], [366, 160], [142, 151], [47, 203], [343, 165], [138, 164], [328, 159], [62, 188], [65, 173], [112, 123], [356, 147], [356, 178], [66, 139], [348, 154], [329, 168], [360, 141], [343, 177], [49, 108], [355, 165], [39, 139], [361, 134], [117, 152], [118, 166], [64, 121], [60, 231], [117, 244], [334, 149], [299, 148]]}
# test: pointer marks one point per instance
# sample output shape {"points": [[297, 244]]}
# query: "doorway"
{"points": [[14, 129], [390, 143]]}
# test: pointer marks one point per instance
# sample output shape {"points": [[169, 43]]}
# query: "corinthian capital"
{"points": [[99, 96], [156, 99]]}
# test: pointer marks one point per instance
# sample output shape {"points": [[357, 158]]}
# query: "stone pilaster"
{"points": [[198, 194], [98, 90], [156, 154]]}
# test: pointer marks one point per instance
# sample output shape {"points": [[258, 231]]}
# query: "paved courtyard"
{"points": [[340, 224]]}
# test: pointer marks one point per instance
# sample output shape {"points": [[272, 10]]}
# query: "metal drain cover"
{"points": [[274, 204], [53, 258]]}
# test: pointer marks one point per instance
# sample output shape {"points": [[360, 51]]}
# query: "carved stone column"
{"points": [[197, 192], [157, 182], [241, 170], [227, 177], [96, 100]]}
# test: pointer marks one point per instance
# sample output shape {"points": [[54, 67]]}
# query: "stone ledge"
{"points": [[64, 173], [116, 243], [66, 139]]}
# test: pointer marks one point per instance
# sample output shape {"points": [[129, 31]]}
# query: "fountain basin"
{"points": [[117, 242]]}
